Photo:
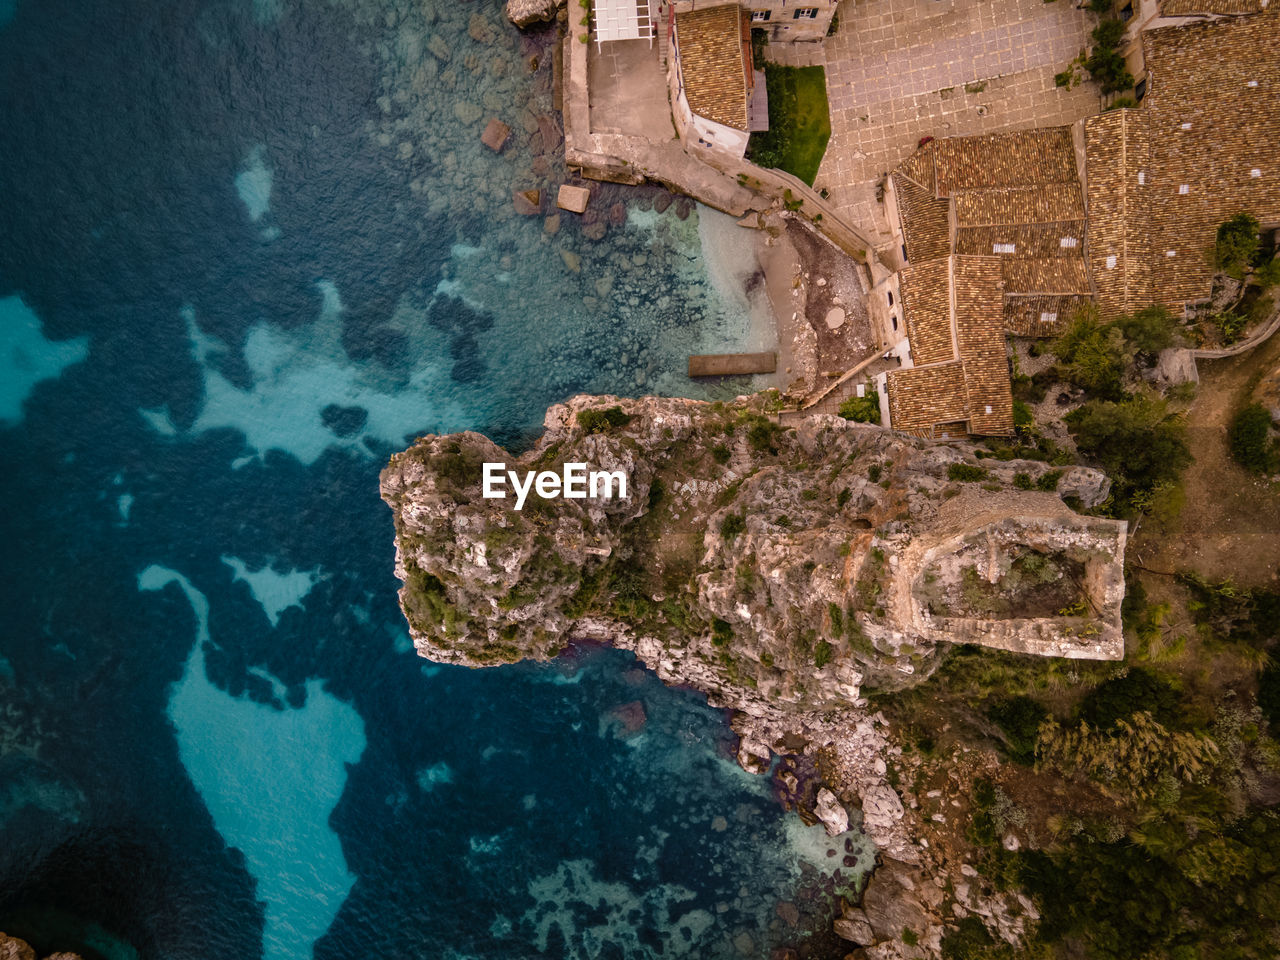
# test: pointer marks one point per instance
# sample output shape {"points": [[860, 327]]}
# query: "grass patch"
{"points": [[799, 122]]}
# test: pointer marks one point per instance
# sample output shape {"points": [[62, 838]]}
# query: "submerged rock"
{"points": [[526, 13]]}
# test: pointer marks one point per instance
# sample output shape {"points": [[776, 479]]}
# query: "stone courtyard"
{"points": [[899, 71]]}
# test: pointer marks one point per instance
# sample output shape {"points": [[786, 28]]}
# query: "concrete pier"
{"points": [[732, 364]]}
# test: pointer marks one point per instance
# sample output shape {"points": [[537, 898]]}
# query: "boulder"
{"points": [[526, 13], [626, 719], [881, 806], [892, 903], [1090, 486], [551, 225], [832, 813], [528, 203], [574, 199], [853, 927], [11, 948], [495, 135]]}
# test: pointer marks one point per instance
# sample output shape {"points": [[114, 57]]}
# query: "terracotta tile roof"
{"points": [[956, 328], [1035, 315], [926, 306], [1065, 239], [1209, 130], [920, 397], [1187, 8], [1045, 275], [979, 317], [1117, 167], [919, 167], [1043, 203], [926, 227], [710, 48], [1022, 159]]}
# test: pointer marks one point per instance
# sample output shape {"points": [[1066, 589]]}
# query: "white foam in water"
{"points": [[270, 779], [158, 419], [253, 183], [26, 357], [275, 591], [124, 503]]}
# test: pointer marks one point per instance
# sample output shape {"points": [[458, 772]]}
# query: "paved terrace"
{"points": [[899, 70]]}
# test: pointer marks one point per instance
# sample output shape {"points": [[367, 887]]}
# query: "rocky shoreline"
{"points": [[784, 572], [12, 948]]}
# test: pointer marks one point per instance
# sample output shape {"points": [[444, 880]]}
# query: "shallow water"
{"points": [[250, 249]]}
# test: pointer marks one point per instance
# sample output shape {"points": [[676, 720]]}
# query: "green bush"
{"points": [[1120, 697], [721, 632], [822, 654], [721, 453], [1019, 718], [602, 421], [1149, 331], [862, 409], [732, 525], [1105, 62], [1048, 482], [1251, 442], [1237, 245], [1091, 355], [763, 434], [1023, 481], [966, 472], [1138, 442]]}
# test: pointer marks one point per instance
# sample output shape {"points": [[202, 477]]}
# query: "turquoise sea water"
{"points": [[248, 251]]}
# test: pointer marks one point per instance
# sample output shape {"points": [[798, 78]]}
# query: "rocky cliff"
{"points": [[779, 569]]}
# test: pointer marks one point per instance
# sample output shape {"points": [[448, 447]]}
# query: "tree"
{"points": [[1149, 331], [1250, 439], [1105, 62], [1138, 442], [862, 409], [1237, 246], [1092, 355]]}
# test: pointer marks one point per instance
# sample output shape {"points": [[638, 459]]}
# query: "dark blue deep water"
{"points": [[249, 248]]}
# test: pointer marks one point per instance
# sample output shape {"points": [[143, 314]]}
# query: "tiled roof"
{"points": [[979, 316], [956, 329], [919, 397], [1034, 315], [710, 50], [1117, 167], [919, 167], [1022, 159], [1213, 111], [1045, 275], [926, 305], [925, 225], [1043, 203], [1064, 239], [1187, 8]]}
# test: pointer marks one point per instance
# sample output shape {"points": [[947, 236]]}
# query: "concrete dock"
{"points": [[732, 364]]}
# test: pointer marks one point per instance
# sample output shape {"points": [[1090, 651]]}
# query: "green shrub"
{"points": [[822, 654], [1237, 245], [1091, 355], [1138, 442], [1048, 482], [966, 472], [1120, 697], [1149, 331], [1250, 439], [1023, 418], [721, 453], [1019, 718], [763, 434], [842, 498], [602, 421], [1105, 62], [721, 632], [1023, 481], [732, 525], [862, 409]]}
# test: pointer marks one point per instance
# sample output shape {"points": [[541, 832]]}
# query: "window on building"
{"points": [[1140, 90], [894, 319], [805, 13], [891, 298], [1004, 248], [1049, 317], [760, 16], [904, 252]]}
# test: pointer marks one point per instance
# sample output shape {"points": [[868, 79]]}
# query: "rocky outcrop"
{"points": [[781, 571], [11, 948], [778, 570], [528, 13]]}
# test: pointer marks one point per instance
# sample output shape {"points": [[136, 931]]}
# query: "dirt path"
{"points": [[1231, 524]]}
